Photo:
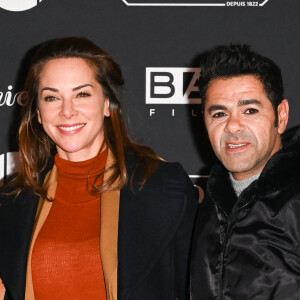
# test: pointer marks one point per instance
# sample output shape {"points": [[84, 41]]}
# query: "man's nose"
{"points": [[234, 124]]}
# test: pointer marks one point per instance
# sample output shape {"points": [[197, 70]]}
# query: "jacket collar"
{"points": [[280, 174]]}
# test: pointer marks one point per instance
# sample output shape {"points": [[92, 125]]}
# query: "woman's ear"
{"points": [[106, 108], [39, 116]]}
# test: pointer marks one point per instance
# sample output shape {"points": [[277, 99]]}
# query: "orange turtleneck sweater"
{"points": [[66, 262]]}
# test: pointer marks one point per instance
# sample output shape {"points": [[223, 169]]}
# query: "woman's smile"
{"points": [[70, 129], [72, 108]]}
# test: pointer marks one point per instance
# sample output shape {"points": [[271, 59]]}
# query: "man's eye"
{"points": [[83, 94], [50, 98], [251, 111], [218, 115]]}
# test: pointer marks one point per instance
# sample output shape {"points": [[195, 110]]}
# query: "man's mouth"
{"points": [[233, 146]]}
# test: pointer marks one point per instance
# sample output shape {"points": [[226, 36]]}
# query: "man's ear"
{"points": [[283, 115]]}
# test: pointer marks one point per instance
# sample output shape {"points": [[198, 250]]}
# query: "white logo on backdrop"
{"points": [[18, 5], [9, 164], [194, 3], [172, 86], [9, 98]]}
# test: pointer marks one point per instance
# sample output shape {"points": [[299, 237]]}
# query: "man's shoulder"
{"points": [[281, 174]]}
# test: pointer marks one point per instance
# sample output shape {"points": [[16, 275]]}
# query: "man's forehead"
{"points": [[237, 79], [235, 87]]}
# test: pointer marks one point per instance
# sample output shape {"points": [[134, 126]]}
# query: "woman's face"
{"points": [[71, 107]]}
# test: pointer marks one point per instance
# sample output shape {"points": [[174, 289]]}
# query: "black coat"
{"points": [[249, 247], [155, 226]]}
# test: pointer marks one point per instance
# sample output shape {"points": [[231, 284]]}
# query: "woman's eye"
{"points": [[218, 115], [50, 98], [83, 94], [251, 111]]}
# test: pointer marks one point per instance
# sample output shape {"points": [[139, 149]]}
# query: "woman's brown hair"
{"points": [[36, 147]]}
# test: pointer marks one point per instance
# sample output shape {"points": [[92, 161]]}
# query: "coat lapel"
{"points": [[109, 235], [42, 213]]}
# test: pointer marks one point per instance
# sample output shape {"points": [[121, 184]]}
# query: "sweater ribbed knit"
{"points": [[240, 185], [66, 262]]}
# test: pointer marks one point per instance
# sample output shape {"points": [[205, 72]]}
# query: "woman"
{"points": [[91, 214]]}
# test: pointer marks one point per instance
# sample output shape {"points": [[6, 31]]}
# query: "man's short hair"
{"points": [[235, 60]]}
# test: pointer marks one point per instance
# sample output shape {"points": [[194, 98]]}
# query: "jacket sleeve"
{"points": [[182, 242]]}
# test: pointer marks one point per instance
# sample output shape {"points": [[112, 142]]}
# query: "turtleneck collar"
{"points": [[75, 179]]}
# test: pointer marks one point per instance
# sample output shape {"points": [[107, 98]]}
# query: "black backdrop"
{"points": [[147, 38]]}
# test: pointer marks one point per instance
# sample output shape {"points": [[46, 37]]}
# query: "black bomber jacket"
{"points": [[249, 247]]}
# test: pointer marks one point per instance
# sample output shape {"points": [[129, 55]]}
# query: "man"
{"points": [[247, 234]]}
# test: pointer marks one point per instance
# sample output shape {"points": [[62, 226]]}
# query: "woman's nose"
{"points": [[68, 109]]}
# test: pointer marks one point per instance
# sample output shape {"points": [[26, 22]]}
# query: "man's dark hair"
{"points": [[235, 60]]}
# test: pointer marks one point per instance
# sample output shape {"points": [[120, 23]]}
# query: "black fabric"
{"points": [[154, 236], [17, 217], [155, 228], [249, 247]]}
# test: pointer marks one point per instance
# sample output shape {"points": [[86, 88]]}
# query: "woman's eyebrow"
{"points": [[49, 89], [81, 86], [73, 89]]}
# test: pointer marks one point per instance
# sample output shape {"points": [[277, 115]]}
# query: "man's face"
{"points": [[240, 121]]}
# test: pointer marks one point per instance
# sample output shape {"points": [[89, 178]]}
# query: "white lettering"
{"points": [[172, 86], [12, 164], [192, 87], [1, 169], [235, 3], [9, 98], [173, 112], [152, 111], [20, 97]]}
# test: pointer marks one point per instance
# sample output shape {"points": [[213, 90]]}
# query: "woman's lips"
{"points": [[70, 129]]}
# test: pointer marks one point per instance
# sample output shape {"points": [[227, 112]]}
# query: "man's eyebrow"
{"points": [[216, 107], [240, 103], [250, 101]]}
